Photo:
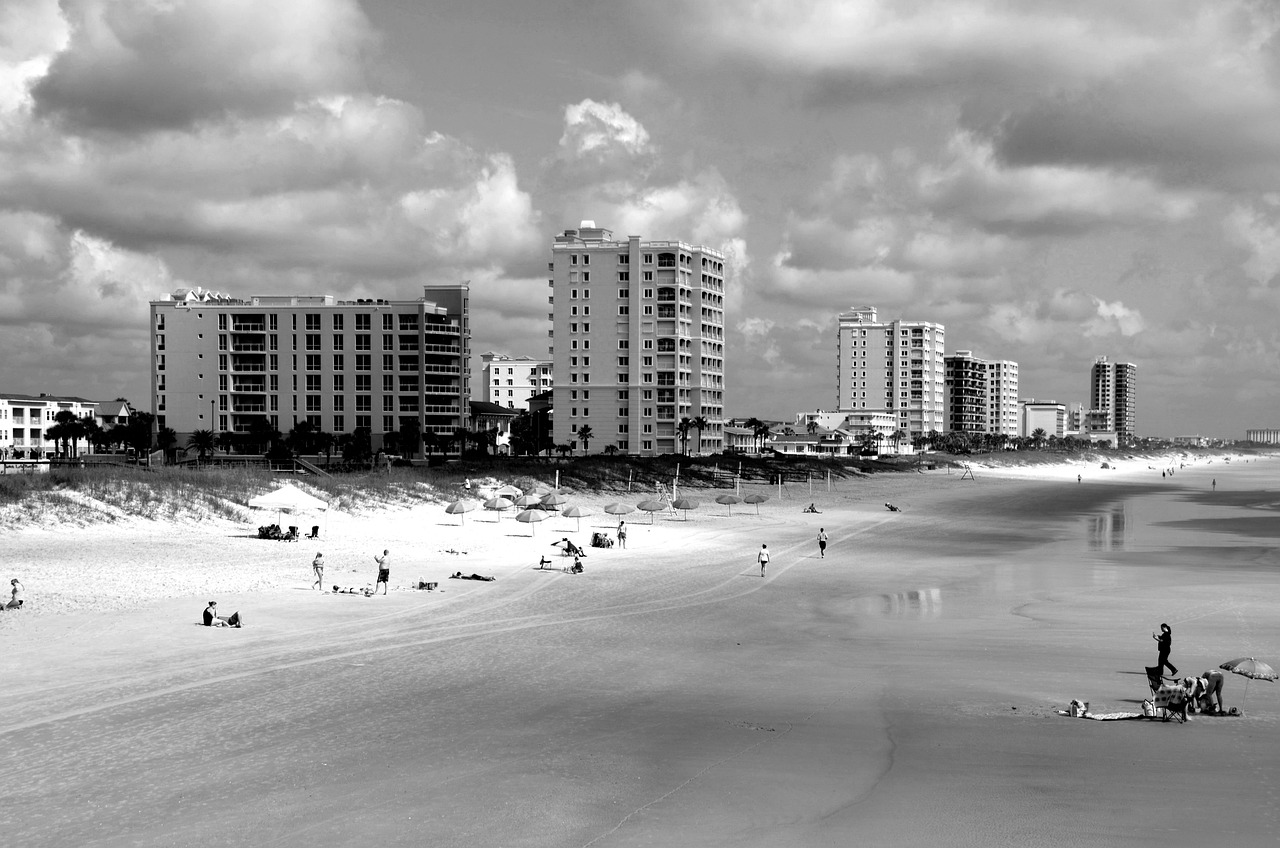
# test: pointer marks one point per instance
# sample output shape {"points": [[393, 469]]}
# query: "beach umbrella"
{"points": [[527, 501], [1250, 669], [497, 505], [532, 517], [619, 509], [553, 499], [685, 504], [651, 507], [729, 501], [578, 512], [460, 508], [510, 492], [756, 499]]}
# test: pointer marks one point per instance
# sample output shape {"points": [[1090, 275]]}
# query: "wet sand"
{"points": [[901, 691]]}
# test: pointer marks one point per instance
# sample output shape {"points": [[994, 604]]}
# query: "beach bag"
{"points": [[1148, 708], [1079, 709]]}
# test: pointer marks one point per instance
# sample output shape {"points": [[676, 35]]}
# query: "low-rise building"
{"points": [[25, 420], [511, 380]]}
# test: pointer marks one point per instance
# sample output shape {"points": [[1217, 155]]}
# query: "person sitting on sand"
{"points": [[212, 619], [577, 566], [15, 596], [811, 508], [570, 549], [892, 508]]}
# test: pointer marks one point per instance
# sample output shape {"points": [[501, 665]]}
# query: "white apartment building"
{"points": [[893, 366], [1002, 397], [1047, 415], [638, 330], [510, 381], [25, 418], [221, 363], [1113, 393]]}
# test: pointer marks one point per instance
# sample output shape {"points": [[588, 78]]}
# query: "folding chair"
{"points": [[1168, 699]]}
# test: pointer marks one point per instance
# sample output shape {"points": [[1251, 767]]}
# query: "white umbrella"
{"points": [[460, 508], [578, 512], [532, 517], [497, 505], [1250, 669]]}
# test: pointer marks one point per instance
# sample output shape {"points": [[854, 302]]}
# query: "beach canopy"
{"points": [[619, 509], [651, 507], [532, 517], [508, 492], [685, 504], [460, 508], [578, 512], [288, 499], [729, 501]]}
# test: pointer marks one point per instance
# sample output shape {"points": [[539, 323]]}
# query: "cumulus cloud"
{"points": [[138, 65]]}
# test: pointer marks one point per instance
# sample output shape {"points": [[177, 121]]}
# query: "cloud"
{"points": [[139, 65], [1256, 229]]}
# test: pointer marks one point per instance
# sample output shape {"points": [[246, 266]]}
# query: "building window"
{"points": [[313, 362], [313, 403], [337, 362], [313, 341], [388, 321], [339, 403], [363, 323], [364, 403], [364, 362], [363, 340], [313, 383], [337, 341], [364, 383]]}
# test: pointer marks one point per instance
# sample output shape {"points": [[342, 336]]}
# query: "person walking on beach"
{"points": [[822, 543], [763, 558], [317, 565], [1164, 641], [384, 570]]}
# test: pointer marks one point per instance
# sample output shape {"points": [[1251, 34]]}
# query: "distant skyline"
{"points": [[1052, 182]]}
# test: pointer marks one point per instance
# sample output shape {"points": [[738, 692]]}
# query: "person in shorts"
{"points": [[763, 558], [384, 571], [822, 543]]}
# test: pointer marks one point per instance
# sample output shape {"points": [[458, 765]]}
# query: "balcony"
{"points": [[250, 388], [247, 366], [248, 328], [248, 407]]}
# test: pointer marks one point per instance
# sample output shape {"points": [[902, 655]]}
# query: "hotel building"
{"points": [[25, 418], [511, 381], [638, 341], [221, 363], [1113, 390], [981, 394], [895, 367]]}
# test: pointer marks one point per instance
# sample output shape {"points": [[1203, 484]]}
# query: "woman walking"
{"points": [[317, 565], [1164, 641]]}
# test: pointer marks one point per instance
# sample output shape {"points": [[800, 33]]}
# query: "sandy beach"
{"points": [[903, 690]]}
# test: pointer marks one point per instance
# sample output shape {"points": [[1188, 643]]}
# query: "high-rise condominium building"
{"points": [[221, 363], [510, 381], [982, 394], [1113, 392], [638, 341], [894, 366]]}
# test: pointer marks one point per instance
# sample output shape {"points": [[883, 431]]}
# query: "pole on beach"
{"points": [[828, 481], [779, 485], [628, 481], [810, 484]]}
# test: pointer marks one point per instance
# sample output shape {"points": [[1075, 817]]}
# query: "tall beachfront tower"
{"points": [[511, 380], [638, 341], [894, 366], [1113, 391], [222, 363], [981, 394]]}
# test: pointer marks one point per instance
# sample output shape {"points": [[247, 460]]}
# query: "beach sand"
{"points": [[902, 691]]}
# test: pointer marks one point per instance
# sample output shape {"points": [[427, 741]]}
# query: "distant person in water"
{"points": [[1164, 643]]}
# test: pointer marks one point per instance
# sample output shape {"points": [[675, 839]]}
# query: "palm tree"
{"points": [[753, 424], [700, 423], [811, 427], [202, 441], [898, 436], [166, 438], [761, 430], [1038, 437], [564, 450], [584, 436], [225, 440], [683, 428]]}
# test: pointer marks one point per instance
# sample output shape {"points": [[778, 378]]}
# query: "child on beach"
{"points": [[763, 558]]}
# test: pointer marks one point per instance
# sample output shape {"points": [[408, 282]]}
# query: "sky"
{"points": [[1052, 182]]}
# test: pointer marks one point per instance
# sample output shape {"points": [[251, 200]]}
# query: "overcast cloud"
{"points": [[1052, 181]]}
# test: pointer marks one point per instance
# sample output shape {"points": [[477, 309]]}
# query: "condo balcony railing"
{"points": [[248, 328], [440, 410], [434, 348], [441, 369], [248, 366], [251, 388], [249, 347], [248, 407]]}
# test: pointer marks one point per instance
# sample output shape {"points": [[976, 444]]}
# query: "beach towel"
{"points": [[1103, 716]]}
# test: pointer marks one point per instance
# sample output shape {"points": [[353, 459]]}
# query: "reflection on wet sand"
{"points": [[1108, 531], [914, 604]]}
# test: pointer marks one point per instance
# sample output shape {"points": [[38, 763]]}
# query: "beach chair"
{"points": [[291, 536], [1168, 699], [315, 532]]}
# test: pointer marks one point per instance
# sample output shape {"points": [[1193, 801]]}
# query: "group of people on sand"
{"points": [[1203, 693], [383, 578], [15, 596]]}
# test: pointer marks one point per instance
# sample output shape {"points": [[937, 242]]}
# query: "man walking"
{"points": [[763, 558], [822, 543], [384, 570]]}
